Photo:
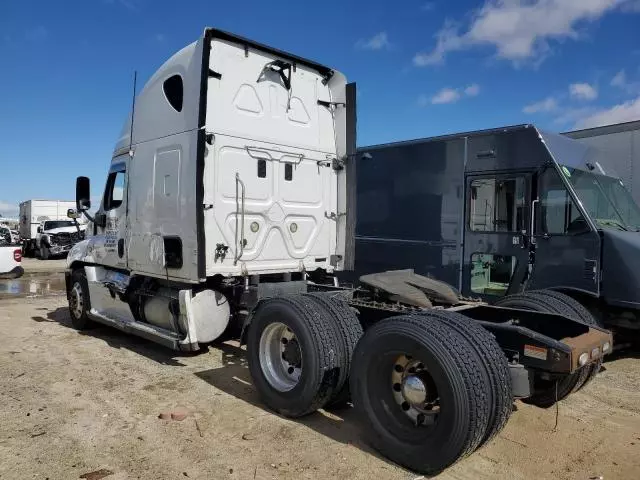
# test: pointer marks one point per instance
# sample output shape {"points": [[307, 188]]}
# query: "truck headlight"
{"points": [[583, 359]]}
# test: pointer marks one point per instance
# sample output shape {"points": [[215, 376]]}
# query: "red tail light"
{"points": [[17, 255]]}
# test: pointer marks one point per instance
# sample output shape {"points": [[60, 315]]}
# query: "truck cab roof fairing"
{"points": [[155, 119]]}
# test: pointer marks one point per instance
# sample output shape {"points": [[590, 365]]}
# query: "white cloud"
{"points": [[446, 95], [571, 115], [379, 41], [619, 79], [549, 104], [449, 95], [624, 112], [472, 90], [583, 91], [518, 30]]}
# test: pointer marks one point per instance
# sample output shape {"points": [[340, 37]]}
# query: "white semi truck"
{"points": [[229, 207]]}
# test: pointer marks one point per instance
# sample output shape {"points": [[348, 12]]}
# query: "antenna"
{"points": [[133, 111]]}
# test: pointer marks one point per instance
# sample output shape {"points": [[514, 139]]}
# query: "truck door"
{"points": [[496, 234], [567, 248], [111, 219]]}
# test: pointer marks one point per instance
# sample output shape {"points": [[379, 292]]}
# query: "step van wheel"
{"points": [[294, 355], [79, 301], [547, 391], [420, 392], [495, 363], [349, 330], [585, 316]]}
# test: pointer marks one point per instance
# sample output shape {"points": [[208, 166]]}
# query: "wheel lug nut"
{"points": [[284, 341], [399, 368], [405, 406], [290, 370], [397, 387]]}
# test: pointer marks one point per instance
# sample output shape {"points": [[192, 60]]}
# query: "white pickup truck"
{"points": [[57, 237], [10, 258]]}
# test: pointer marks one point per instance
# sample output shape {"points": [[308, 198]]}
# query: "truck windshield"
{"points": [[57, 224], [605, 198]]}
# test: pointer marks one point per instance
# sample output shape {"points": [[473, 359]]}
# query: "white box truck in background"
{"points": [[45, 228]]}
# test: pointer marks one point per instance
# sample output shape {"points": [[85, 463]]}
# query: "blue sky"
{"points": [[423, 68]]}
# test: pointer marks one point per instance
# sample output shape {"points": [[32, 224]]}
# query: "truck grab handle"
{"points": [[239, 212], [533, 219]]}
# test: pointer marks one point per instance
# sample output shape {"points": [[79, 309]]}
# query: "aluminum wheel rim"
{"points": [[414, 391], [76, 300], [280, 357]]}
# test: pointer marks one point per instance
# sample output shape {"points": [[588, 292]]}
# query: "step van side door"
{"points": [[496, 234]]}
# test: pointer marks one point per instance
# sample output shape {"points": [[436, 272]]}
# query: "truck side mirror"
{"points": [[71, 213], [39, 230], [83, 194]]}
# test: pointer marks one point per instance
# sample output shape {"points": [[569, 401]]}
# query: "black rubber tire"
{"points": [[548, 391], [83, 322], [44, 252], [586, 317], [320, 348], [460, 378], [349, 330], [495, 363]]}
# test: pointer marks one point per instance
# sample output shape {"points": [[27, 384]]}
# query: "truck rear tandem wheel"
{"points": [[431, 379], [295, 355], [421, 391], [348, 330]]}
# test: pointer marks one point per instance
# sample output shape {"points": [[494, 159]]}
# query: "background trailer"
{"points": [[622, 144]]}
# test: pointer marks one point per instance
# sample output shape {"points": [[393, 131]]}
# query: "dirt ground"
{"points": [[35, 265], [73, 403]]}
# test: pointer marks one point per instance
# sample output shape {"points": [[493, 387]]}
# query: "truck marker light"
{"points": [[17, 255], [606, 347], [535, 352], [595, 352], [293, 227], [583, 359], [254, 227]]}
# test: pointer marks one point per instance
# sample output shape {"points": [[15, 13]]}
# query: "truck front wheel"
{"points": [[79, 304], [44, 253]]}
